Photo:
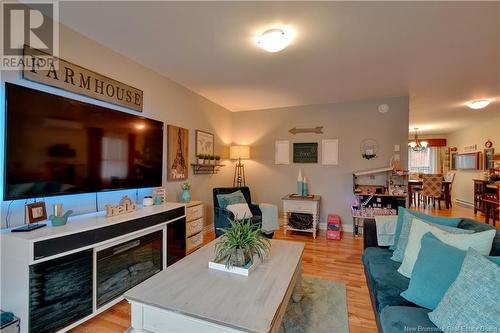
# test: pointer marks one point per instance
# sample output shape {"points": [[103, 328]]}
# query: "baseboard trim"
{"points": [[464, 203]]}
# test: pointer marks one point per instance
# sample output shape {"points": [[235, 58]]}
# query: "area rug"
{"points": [[323, 309]]}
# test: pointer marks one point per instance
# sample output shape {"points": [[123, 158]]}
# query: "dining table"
{"points": [[419, 182]]}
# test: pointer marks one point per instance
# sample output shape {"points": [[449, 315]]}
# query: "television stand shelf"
{"points": [[74, 261]]}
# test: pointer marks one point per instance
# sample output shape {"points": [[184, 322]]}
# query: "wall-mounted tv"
{"points": [[56, 145], [467, 161]]}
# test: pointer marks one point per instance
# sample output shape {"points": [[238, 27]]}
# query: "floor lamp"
{"points": [[239, 153]]}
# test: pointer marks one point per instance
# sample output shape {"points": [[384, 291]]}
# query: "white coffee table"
{"points": [[190, 297]]}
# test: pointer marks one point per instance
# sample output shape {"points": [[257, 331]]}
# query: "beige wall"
{"points": [[476, 133], [349, 122], [172, 103], [164, 100]]}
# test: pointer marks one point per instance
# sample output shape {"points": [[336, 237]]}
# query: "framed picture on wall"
{"points": [[488, 158], [177, 153], [204, 143], [305, 152], [453, 166]]}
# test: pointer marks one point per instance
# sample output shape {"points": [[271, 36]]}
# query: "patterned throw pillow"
{"points": [[402, 214], [437, 266], [399, 252], [472, 303], [230, 199], [481, 241], [241, 211]]}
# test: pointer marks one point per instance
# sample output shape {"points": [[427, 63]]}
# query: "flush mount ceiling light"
{"points": [[274, 40], [478, 104]]}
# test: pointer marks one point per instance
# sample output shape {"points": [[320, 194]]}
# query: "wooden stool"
{"points": [[491, 209], [491, 201]]}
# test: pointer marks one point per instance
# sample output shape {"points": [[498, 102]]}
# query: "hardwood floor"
{"points": [[335, 260]]}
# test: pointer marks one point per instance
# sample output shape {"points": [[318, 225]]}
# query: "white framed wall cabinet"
{"points": [[282, 152], [330, 152]]}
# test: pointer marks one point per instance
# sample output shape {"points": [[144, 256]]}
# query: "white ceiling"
{"points": [[441, 54]]}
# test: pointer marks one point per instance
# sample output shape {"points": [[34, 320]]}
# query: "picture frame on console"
{"points": [[36, 212]]}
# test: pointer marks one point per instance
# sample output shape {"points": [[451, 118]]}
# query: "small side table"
{"points": [[302, 205]]}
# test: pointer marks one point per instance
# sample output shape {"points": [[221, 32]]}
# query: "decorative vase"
{"points": [[300, 183], [148, 201], [58, 221], [186, 196], [305, 190]]}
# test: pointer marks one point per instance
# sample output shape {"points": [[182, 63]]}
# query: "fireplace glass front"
{"points": [[125, 265]]}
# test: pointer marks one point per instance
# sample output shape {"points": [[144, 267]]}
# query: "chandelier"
{"points": [[416, 144]]}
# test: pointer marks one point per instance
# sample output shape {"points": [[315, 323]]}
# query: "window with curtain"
{"points": [[427, 160]]}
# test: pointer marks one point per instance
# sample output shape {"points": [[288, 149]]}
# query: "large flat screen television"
{"points": [[57, 145], [467, 161]]}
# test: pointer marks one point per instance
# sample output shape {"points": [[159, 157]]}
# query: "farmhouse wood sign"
{"points": [[64, 75]]}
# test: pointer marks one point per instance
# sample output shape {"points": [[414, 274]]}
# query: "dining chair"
{"points": [[432, 189], [416, 189], [450, 177]]}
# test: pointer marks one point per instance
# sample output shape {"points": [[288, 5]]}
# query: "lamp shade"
{"points": [[237, 152]]}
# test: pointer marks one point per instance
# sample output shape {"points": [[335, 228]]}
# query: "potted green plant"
{"points": [[212, 159], [185, 196], [200, 158], [240, 244], [217, 159]]}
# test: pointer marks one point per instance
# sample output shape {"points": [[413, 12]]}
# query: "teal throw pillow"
{"points": [[225, 200], [405, 216], [437, 266], [398, 254], [472, 303]]}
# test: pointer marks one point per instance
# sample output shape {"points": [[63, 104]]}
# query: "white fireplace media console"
{"points": [[53, 270]]}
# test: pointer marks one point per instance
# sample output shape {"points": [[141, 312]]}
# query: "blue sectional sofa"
{"points": [[393, 313]]}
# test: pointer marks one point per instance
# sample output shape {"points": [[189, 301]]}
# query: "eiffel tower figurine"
{"points": [[179, 168]]}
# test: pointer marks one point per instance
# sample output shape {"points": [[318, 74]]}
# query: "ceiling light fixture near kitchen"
{"points": [[274, 40], [478, 104]]}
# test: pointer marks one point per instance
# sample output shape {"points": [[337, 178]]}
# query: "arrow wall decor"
{"points": [[317, 130]]}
